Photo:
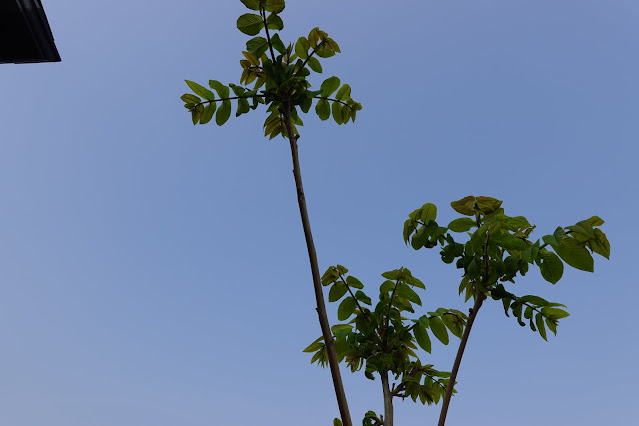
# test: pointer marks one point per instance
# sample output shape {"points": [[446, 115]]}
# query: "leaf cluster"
{"points": [[500, 247], [381, 339], [278, 74]]}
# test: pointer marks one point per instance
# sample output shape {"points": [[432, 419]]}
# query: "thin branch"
{"points": [[333, 100], [309, 56], [479, 299], [351, 293], [228, 99], [268, 36], [317, 283]]}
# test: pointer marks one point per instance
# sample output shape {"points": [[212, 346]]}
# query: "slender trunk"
{"points": [[317, 283], [388, 400], [460, 353]]}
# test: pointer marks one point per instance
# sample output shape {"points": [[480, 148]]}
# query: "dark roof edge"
{"points": [[36, 19]]}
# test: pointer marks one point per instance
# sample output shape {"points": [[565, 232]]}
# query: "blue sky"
{"points": [[155, 273]]}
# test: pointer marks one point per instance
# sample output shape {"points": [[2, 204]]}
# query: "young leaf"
{"points": [[575, 254], [223, 113], [200, 90], [429, 213], [301, 47], [463, 224], [221, 89], [550, 265], [421, 336], [315, 65], [252, 4], [323, 109], [337, 291], [337, 112], [207, 114], [439, 329], [343, 93], [346, 308], [257, 46], [354, 282], [274, 22], [189, 98], [250, 24], [274, 6], [539, 320], [329, 86]]}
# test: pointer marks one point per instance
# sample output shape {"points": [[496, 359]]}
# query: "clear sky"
{"points": [[155, 273]]}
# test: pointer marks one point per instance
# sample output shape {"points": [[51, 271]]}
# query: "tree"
{"points": [[496, 252], [382, 341], [279, 74]]}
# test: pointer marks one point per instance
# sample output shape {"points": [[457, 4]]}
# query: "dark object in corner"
{"points": [[25, 35]]}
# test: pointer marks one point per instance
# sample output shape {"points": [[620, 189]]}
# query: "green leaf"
{"points": [[595, 221], [488, 205], [274, 22], [195, 116], [554, 313], [575, 254], [508, 241], [221, 89], [315, 65], [207, 114], [337, 422], [323, 109], [539, 320], [301, 47], [343, 93], [337, 291], [242, 106], [584, 228], [421, 336], [550, 266], [250, 24], [463, 224], [465, 206], [257, 46], [362, 297], [317, 344], [329, 86], [251, 4], [200, 90], [337, 112], [439, 329], [354, 282], [600, 244], [223, 113], [387, 286], [346, 308], [274, 6], [452, 322], [406, 292], [429, 213], [277, 44], [189, 98]]}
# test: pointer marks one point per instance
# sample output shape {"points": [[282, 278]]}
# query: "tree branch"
{"points": [[268, 36], [317, 283]]}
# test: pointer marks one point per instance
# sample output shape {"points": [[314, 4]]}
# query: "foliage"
{"points": [[500, 248], [278, 74], [381, 339]]}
